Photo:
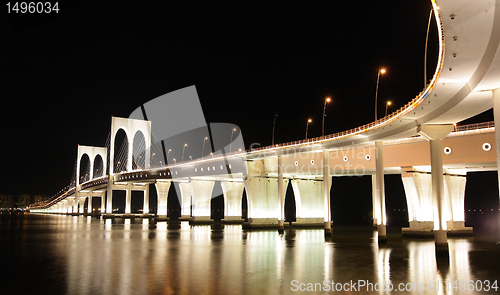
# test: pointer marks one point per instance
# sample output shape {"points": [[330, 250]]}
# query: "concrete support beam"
{"points": [[185, 200], [162, 189], [418, 190], [309, 202], [103, 202], [81, 203], [202, 196], [281, 195], [326, 193], [380, 192], [109, 197], [434, 134], [145, 207], [128, 198], [233, 192], [89, 206], [496, 115], [262, 190]]}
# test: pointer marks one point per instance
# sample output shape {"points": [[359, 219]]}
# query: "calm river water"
{"points": [[54, 254]]}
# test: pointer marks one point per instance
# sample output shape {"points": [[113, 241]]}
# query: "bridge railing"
{"points": [[475, 126]]}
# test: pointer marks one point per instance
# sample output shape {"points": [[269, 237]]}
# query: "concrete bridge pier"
{"points": [[81, 203], [65, 206], [380, 193], [89, 206], [103, 202], [128, 198], [263, 201], [145, 206], [233, 191], [202, 196], [109, 198], [162, 189], [186, 194], [496, 115], [434, 134], [326, 193], [308, 202], [281, 196]]}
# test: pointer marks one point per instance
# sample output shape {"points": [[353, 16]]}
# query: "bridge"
{"points": [[420, 141]]}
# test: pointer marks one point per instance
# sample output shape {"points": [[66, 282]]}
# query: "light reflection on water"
{"points": [[88, 256]]}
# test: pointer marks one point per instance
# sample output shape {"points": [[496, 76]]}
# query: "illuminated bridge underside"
{"points": [[465, 84]]}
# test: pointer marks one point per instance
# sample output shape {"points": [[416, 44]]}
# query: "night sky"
{"points": [[65, 75]]}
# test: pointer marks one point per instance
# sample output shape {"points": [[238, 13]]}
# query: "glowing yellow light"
{"points": [[309, 121], [328, 99], [389, 103], [382, 71]]}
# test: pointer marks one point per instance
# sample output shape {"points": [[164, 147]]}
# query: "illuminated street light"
{"points": [[232, 131], [307, 125], [324, 109], [274, 125], [169, 150], [183, 148], [382, 71], [203, 148], [386, 106]]}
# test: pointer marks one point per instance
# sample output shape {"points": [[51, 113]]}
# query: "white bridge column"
{"points": [[103, 202], [233, 192], [418, 191], [89, 206], [496, 115], [380, 192], [419, 197], [455, 200], [263, 202], [309, 202], [145, 207], [281, 195], [162, 188], [81, 203], [434, 134], [202, 195], [326, 192], [74, 206], [109, 197], [185, 200], [128, 198]]}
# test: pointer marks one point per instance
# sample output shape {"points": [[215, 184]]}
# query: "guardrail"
{"points": [[475, 126]]}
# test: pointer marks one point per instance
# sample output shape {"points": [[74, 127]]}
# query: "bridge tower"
{"points": [[131, 127]]}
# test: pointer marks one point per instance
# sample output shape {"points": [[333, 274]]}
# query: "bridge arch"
{"points": [[98, 166], [131, 127], [139, 150], [91, 152], [120, 151], [85, 168]]}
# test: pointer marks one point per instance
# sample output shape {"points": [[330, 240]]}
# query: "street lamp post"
{"points": [[169, 150], [386, 106], [183, 148], [324, 109], [307, 126], [274, 125], [203, 148], [382, 71], [232, 131]]}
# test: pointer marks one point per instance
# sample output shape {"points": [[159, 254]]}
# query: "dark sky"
{"points": [[65, 75]]}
